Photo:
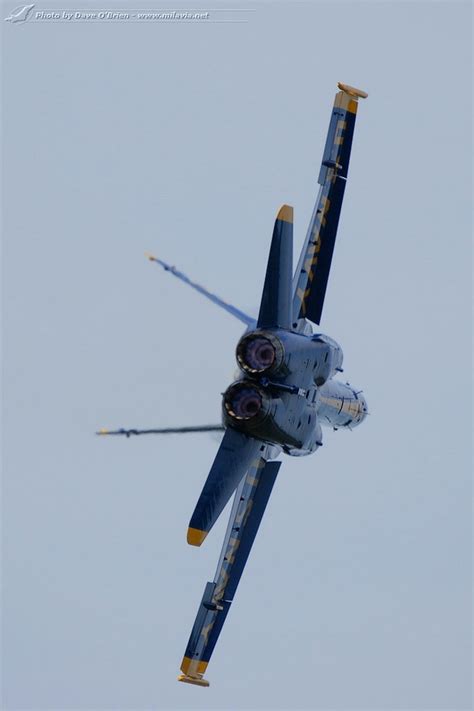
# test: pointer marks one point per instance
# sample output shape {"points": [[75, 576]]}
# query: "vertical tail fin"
{"points": [[276, 303]]}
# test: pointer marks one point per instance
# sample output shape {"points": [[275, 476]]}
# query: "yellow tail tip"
{"points": [[103, 431], [150, 256], [285, 213]]}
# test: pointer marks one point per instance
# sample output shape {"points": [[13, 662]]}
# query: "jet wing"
{"points": [[234, 456], [248, 508], [311, 276]]}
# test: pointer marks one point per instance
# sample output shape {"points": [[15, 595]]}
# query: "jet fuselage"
{"points": [[287, 390]]}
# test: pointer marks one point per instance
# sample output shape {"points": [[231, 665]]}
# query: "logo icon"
{"points": [[19, 14]]}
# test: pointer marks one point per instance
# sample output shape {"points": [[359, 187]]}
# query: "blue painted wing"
{"points": [[247, 511], [311, 276]]}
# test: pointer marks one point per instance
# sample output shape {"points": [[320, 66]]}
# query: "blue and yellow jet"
{"points": [[287, 387]]}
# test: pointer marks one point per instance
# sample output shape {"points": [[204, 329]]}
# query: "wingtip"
{"points": [[195, 536], [352, 91], [197, 681]]}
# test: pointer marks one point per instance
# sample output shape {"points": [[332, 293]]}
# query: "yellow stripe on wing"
{"points": [[193, 666]]}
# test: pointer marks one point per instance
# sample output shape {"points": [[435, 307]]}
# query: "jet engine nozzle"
{"points": [[245, 401], [259, 352]]}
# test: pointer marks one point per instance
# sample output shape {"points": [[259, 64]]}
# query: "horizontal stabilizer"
{"points": [[234, 456], [275, 306]]}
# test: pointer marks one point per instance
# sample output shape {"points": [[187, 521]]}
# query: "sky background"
{"points": [[184, 140]]}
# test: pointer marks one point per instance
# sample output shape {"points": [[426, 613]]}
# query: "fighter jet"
{"points": [[286, 391]]}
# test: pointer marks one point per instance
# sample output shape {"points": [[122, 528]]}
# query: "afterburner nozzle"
{"points": [[259, 352], [243, 401]]}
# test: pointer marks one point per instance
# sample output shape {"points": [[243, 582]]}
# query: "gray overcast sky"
{"points": [[184, 139]]}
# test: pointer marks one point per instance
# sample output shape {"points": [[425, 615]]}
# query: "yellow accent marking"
{"points": [[285, 213], [195, 537], [340, 126], [150, 257], [206, 631], [103, 431], [219, 590], [326, 205], [239, 517], [200, 665], [234, 543], [192, 680], [344, 101], [352, 91], [247, 511], [352, 106]]}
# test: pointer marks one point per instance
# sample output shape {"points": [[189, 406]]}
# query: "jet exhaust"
{"points": [[260, 352], [243, 401]]}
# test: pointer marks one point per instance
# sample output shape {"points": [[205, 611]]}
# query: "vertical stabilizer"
{"points": [[276, 303]]}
